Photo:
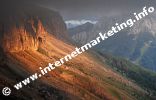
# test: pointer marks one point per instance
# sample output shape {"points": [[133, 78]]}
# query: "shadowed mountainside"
{"points": [[136, 43]]}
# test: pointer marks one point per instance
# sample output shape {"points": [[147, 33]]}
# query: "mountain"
{"points": [[139, 75], [25, 23], [31, 38], [137, 43], [85, 28]]}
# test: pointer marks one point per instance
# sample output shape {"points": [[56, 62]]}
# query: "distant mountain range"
{"points": [[138, 43]]}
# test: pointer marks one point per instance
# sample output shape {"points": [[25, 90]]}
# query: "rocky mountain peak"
{"points": [[26, 27], [23, 37], [145, 25]]}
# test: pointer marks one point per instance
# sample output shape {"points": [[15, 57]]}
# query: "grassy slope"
{"points": [[143, 77], [82, 78]]}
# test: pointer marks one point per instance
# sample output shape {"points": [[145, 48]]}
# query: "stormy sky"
{"points": [[94, 9], [89, 9]]}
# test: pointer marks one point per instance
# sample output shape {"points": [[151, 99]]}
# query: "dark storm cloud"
{"points": [[90, 9]]}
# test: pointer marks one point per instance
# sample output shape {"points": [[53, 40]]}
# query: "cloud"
{"points": [[74, 23]]}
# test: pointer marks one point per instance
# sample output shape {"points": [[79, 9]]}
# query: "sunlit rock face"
{"points": [[26, 28], [23, 37]]}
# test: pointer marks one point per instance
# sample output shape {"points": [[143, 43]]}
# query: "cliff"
{"points": [[25, 28]]}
